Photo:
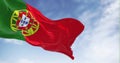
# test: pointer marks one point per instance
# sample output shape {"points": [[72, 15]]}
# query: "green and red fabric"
{"points": [[19, 20]]}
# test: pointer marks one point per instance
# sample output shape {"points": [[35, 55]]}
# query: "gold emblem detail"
{"points": [[24, 21]]}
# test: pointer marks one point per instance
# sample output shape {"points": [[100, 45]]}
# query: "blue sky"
{"points": [[99, 43]]}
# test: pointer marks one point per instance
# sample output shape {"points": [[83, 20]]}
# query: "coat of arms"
{"points": [[24, 21]]}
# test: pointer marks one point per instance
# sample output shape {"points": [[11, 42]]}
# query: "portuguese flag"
{"points": [[19, 20]]}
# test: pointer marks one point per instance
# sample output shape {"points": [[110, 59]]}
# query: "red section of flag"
{"points": [[55, 35]]}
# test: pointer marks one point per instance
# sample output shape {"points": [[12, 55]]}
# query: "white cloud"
{"points": [[13, 41], [103, 38], [84, 1], [106, 2], [2, 61], [24, 61]]}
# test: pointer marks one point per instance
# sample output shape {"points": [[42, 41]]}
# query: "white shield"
{"points": [[24, 21]]}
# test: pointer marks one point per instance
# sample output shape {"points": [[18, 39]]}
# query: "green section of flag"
{"points": [[7, 7]]}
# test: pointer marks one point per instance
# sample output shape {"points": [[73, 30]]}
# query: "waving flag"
{"points": [[19, 20]]}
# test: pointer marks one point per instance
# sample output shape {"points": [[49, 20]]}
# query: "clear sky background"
{"points": [[99, 43]]}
